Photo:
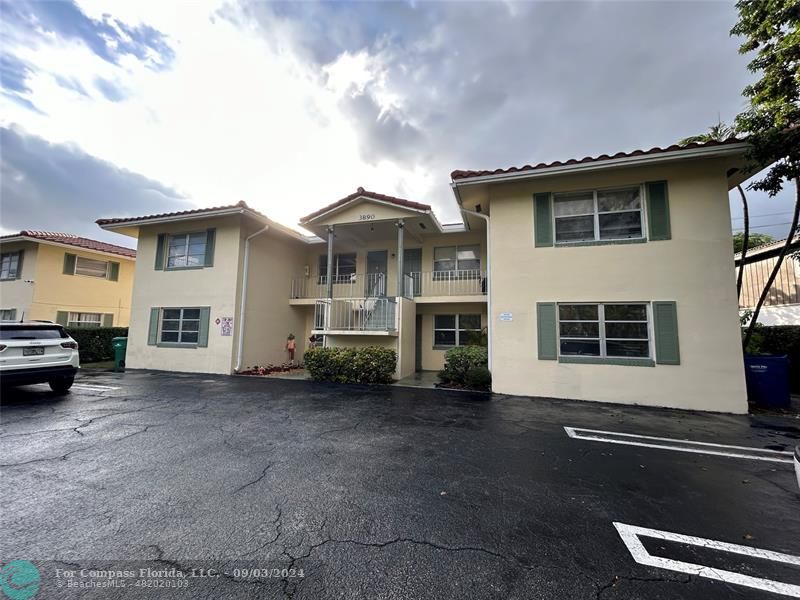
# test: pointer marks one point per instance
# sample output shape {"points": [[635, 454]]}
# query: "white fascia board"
{"points": [[336, 209], [599, 165], [25, 238], [175, 218]]}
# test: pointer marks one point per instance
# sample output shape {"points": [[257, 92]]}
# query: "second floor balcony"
{"points": [[420, 285]]}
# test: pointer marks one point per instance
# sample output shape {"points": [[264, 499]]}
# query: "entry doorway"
{"points": [[375, 284]]}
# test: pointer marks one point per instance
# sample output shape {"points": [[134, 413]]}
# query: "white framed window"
{"points": [[599, 215], [8, 314], [460, 262], [9, 265], [609, 330], [84, 319], [179, 325], [90, 267], [455, 330], [344, 267], [187, 250]]}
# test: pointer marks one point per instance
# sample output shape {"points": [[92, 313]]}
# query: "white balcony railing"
{"points": [[370, 285], [356, 314]]}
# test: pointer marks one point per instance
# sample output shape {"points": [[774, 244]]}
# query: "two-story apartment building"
{"points": [[603, 279], [65, 278]]}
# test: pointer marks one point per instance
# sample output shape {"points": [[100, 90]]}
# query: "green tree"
{"points": [[771, 29], [755, 239], [719, 133]]}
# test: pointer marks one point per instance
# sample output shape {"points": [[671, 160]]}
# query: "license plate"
{"points": [[33, 351]]}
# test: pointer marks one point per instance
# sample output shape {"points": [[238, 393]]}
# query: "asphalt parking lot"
{"points": [[267, 488]]}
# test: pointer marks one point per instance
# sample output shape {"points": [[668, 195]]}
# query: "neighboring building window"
{"points": [[455, 330], [459, 261], [604, 330], [598, 215], [8, 314], [344, 267], [186, 250], [9, 265], [180, 325], [82, 319], [90, 267]]}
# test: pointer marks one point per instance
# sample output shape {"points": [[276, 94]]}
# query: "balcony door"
{"points": [[412, 265], [375, 284]]}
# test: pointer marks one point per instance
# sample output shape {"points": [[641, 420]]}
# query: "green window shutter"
{"points": [[210, 235], [546, 330], [161, 243], [665, 326], [658, 210], [18, 274], [61, 317], [113, 271], [108, 320], [202, 335], [152, 332], [69, 264], [542, 220]]}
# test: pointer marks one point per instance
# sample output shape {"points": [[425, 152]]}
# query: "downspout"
{"points": [[490, 323], [240, 348]]}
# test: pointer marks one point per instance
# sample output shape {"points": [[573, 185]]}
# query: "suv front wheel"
{"points": [[60, 385]]}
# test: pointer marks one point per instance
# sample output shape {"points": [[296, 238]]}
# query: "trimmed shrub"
{"points": [[94, 343], [479, 378], [458, 361], [371, 364], [780, 340]]}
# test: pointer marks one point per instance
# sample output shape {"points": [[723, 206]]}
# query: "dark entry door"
{"points": [[418, 344], [412, 265], [375, 284]]}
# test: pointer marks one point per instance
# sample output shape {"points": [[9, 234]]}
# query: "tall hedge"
{"points": [[782, 339], [94, 343], [467, 366], [371, 364]]}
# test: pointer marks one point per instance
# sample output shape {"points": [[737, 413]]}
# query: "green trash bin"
{"points": [[120, 345]]}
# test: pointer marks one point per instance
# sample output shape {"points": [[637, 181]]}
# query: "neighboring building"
{"points": [[65, 278], [593, 271], [782, 305]]}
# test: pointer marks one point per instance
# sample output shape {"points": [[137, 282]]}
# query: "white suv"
{"points": [[37, 352]]}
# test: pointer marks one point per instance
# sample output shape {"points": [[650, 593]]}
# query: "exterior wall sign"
{"points": [[366, 217], [506, 316], [225, 326]]}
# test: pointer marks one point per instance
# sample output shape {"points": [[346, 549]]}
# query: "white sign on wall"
{"points": [[506, 316], [225, 326]]}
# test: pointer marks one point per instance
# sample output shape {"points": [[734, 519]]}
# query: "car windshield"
{"points": [[26, 332]]}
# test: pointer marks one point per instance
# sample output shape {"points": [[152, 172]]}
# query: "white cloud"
{"points": [[235, 117]]}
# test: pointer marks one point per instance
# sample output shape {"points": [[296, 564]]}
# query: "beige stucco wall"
{"points": [[274, 260], [16, 293], [53, 291], [433, 358], [214, 287], [366, 211], [694, 269], [406, 328]]}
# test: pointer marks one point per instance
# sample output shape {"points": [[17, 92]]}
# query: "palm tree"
{"points": [[719, 133]]}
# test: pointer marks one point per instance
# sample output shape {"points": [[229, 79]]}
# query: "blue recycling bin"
{"points": [[767, 380]]}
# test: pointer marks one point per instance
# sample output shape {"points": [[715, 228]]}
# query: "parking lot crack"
{"points": [[255, 481]]}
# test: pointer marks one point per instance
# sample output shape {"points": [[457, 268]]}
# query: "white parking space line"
{"points": [[649, 441], [92, 386], [630, 535]]}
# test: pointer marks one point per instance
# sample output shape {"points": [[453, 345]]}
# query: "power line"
{"points": [[788, 212], [763, 225]]}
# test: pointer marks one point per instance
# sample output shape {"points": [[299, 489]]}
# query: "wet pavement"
{"points": [[381, 492]]}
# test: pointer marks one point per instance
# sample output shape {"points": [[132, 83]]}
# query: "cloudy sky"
{"points": [[160, 106]]}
